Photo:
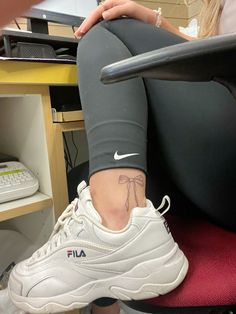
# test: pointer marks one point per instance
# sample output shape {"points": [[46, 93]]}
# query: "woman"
{"points": [[216, 17], [113, 231]]}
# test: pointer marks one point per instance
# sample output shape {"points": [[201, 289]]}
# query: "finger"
{"points": [[128, 8], [131, 9], [97, 14], [117, 11], [108, 4], [92, 19]]}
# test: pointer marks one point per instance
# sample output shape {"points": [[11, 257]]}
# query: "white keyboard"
{"points": [[16, 181]]}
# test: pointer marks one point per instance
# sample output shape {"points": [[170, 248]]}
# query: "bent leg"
{"points": [[116, 122], [116, 115], [193, 130]]}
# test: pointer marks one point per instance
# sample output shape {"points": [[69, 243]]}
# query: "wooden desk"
{"points": [[27, 131]]}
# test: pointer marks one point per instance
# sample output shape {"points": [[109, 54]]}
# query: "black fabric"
{"points": [[114, 121]]}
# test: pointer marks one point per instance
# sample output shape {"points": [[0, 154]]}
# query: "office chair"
{"points": [[210, 285]]}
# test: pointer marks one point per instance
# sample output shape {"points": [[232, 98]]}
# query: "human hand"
{"points": [[111, 9], [9, 9]]}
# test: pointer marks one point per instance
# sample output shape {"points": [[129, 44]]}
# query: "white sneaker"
{"points": [[83, 260]]}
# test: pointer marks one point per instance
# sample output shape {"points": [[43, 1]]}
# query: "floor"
{"points": [[128, 310]]}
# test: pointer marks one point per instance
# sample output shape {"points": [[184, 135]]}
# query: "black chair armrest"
{"points": [[199, 60]]}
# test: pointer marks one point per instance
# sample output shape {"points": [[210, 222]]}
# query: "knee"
{"points": [[87, 43]]}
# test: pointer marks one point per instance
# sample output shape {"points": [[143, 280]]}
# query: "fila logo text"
{"points": [[76, 253]]}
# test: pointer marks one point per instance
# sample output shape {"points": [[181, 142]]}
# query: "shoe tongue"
{"points": [[87, 207]]}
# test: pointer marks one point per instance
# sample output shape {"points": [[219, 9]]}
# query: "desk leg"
{"points": [[59, 178], [56, 158]]}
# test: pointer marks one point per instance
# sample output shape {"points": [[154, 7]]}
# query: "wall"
{"points": [[176, 11]]}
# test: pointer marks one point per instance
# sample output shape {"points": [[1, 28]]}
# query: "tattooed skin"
{"points": [[132, 184]]}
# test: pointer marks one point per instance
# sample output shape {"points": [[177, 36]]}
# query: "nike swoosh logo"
{"points": [[119, 157]]}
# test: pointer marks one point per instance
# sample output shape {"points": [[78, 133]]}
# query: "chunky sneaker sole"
{"points": [[83, 261]]}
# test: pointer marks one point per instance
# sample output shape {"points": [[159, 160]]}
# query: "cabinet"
{"points": [[28, 132]]}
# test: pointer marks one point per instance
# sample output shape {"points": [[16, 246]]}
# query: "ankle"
{"points": [[114, 219], [115, 192]]}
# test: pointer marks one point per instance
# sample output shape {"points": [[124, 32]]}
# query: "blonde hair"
{"points": [[209, 18]]}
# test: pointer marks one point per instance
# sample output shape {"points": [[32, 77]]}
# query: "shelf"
{"points": [[68, 116], [13, 72], [24, 206], [68, 120]]}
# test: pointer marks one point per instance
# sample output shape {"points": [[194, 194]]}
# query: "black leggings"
{"points": [[183, 133]]}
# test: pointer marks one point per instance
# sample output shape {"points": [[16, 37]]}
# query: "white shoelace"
{"points": [[60, 232]]}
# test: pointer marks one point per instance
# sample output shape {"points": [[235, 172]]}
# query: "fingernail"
{"points": [[105, 15]]}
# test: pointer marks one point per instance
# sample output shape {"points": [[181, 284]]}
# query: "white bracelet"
{"points": [[158, 17]]}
